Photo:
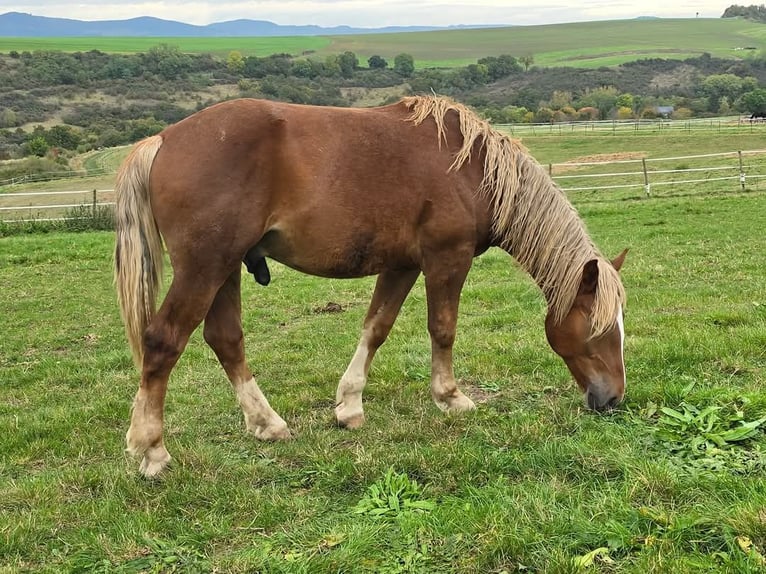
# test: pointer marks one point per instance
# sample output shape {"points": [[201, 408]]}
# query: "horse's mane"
{"points": [[531, 217]]}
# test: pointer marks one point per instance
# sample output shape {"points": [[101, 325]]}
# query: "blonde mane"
{"points": [[531, 217]]}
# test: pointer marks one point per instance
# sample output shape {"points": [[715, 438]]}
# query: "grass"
{"points": [[582, 44], [530, 482]]}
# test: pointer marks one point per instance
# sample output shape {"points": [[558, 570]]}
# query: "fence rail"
{"points": [[24, 207], [617, 176], [719, 124]]}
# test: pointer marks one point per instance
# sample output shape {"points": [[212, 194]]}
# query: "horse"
{"points": [[423, 185]]}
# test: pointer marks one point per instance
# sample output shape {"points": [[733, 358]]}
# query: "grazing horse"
{"points": [[420, 186]]}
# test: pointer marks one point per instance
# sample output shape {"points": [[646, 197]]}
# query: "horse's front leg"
{"points": [[444, 281], [391, 290]]}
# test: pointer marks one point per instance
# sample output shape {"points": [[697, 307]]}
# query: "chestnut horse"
{"points": [[423, 185]]}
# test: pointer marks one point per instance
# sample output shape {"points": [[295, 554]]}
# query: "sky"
{"points": [[370, 13]]}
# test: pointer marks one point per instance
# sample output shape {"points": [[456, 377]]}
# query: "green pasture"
{"points": [[585, 44], [590, 44], [248, 46], [672, 481]]}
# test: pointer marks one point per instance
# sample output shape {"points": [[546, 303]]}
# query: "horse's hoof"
{"points": [[348, 418], [154, 462], [273, 433], [350, 422], [459, 403]]}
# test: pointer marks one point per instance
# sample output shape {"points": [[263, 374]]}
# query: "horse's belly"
{"points": [[333, 255]]}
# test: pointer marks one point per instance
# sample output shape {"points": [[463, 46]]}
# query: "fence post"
{"points": [[94, 205], [647, 186], [741, 171]]}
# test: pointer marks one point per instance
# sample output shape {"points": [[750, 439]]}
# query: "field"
{"points": [[588, 44], [672, 481]]}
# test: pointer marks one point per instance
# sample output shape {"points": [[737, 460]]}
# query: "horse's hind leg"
{"points": [[185, 305], [223, 332], [391, 290]]}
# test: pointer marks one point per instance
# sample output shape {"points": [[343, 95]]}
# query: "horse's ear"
{"points": [[589, 278], [619, 260]]}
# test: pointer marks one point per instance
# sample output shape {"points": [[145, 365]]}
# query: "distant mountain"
{"points": [[19, 24]]}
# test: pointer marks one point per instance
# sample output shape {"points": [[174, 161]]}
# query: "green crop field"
{"points": [[248, 46], [586, 44], [672, 481]]}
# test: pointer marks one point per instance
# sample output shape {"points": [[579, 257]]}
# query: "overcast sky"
{"points": [[370, 13]]}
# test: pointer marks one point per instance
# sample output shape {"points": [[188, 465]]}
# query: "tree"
{"points": [[8, 118], [603, 99], [500, 66], [560, 99], [348, 62], [527, 61], [37, 146], [404, 65], [63, 136], [755, 102], [331, 66], [167, 61], [235, 63], [753, 12], [377, 62], [477, 74], [719, 86], [625, 101]]}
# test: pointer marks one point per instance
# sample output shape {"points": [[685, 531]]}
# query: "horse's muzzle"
{"points": [[602, 401]]}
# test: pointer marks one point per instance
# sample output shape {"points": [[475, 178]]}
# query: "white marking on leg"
{"points": [[144, 438], [348, 398], [260, 418], [621, 326]]}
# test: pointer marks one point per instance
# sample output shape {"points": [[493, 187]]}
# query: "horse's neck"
{"points": [[544, 233]]}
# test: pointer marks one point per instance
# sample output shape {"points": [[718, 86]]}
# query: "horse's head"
{"points": [[596, 363]]}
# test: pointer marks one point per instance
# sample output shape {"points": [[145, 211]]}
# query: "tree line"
{"points": [[103, 100]]}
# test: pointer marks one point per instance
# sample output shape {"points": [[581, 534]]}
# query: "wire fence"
{"points": [[612, 179], [644, 176], [37, 206], [728, 124]]}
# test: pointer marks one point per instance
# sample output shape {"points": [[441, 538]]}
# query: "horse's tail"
{"points": [[138, 251]]}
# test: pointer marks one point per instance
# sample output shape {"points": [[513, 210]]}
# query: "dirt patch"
{"points": [[598, 158], [630, 53], [606, 157], [478, 393], [329, 308]]}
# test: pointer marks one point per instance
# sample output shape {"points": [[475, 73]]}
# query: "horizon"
{"points": [[366, 14]]}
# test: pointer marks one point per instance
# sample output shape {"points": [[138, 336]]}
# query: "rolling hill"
{"points": [[583, 44], [19, 24]]}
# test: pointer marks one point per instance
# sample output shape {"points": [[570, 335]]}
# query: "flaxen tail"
{"points": [[138, 251]]}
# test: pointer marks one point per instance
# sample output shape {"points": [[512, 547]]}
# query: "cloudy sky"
{"points": [[370, 13]]}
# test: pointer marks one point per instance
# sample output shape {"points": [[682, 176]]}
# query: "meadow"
{"points": [[671, 481], [586, 44]]}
